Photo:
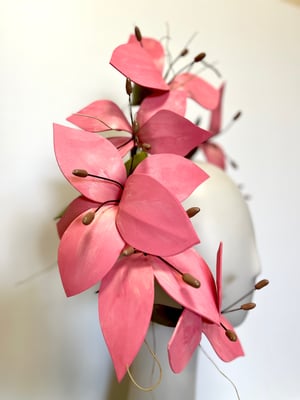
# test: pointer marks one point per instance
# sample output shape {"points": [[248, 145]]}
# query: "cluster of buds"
{"points": [[128, 228]]}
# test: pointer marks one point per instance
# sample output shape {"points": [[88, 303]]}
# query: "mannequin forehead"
{"points": [[225, 217]]}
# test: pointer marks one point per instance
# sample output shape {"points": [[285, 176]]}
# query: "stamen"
{"points": [[82, 173], [146, 146], [236, 116], [186, 277], [191, 212], [245, 307], [138, 34], [128, 86], [259, 285], [229, 333], [199, 57], [88, 218]]}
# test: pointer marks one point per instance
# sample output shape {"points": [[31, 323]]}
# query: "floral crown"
{"points": [[128, 228]]}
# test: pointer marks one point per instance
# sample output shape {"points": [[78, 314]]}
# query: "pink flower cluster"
{"points": [[128, 228]]}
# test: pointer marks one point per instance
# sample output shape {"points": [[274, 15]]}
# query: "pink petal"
{"points": [[168, 132], [185, 340], [123, 144], [87, 252], [152, 220], [178, 174], [136, 64], [197, 89], [99, 116], [214, 154], [216, 114], [154, 48], [201, 300], [225, 348], [75, 208], [173, 101], [219, 275], [125, 304], [76, 149]]}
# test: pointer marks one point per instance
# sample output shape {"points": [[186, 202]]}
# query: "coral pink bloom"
{"points": [[144, 66], [138, 210], [128, 289], [190, 326], [226, 349], [162, 130]]}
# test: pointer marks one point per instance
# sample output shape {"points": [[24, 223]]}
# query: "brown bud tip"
{"points": [[191, 280], [248, 306], [191, 212], [199, 57], [231, 335], [237, 115], [184, 52], [261, 284], [80, 172], [146, 146], [128, 86], [128, 251], [135, 127], [138, 34], [88, 218]]}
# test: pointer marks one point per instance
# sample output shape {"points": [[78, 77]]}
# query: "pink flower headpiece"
{"points": [[128, 228]]}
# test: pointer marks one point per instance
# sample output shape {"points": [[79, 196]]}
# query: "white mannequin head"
{"points": [[225, 217]]}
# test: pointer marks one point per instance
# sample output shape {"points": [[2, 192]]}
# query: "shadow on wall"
{"points": [[293, 2]]}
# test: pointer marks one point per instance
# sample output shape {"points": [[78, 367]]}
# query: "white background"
{"points": [[54, 60]]}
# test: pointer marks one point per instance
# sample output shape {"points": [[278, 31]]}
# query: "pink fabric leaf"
{"points": [[184, 341], [99, 116], [136, 64], [225, 348], [173, 101], [216, 114], [152, 220], [198, 89], [87, 252], [122, 143], [154, 48], [75, 149], [214, 154], [75, 208], [178, 174], [201, 300], [168, 132], [125, 305]]}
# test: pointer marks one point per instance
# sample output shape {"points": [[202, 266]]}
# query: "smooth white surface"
{"points": [[54, 60]]}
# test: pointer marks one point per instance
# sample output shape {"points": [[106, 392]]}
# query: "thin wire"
{"points": [[155, 385], [221, 372]]}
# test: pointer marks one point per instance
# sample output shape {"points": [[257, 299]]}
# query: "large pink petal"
{"points": [[152, 220], [99, 116], [214, 154], [185, 339], [125, 304], [87, 252], [216, 114], [201, 300], [76, 149], [225, 348], [75, 208], [178, 174], [168, 132], [219, 275], [198, 89], [136, 64], [154, 48], [173, 101]]}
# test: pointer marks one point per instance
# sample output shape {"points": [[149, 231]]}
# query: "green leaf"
{"points": [[134, 161]]}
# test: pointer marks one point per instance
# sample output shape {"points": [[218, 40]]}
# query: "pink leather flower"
{"points": [[143, 210], [161, 130], [190, 326]]}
